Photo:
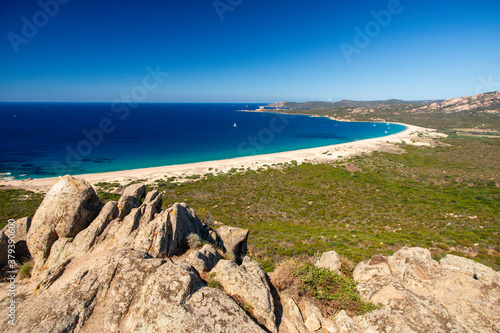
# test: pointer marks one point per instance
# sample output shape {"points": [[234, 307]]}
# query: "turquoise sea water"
{"points": [[40, 140]]}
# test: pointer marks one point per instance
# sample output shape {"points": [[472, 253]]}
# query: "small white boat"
{"points": [[234, 125]]}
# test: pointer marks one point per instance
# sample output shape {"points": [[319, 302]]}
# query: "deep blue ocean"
{"points": [[49, 139]]}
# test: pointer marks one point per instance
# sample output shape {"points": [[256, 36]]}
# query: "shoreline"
{"points": [[411, 135]]}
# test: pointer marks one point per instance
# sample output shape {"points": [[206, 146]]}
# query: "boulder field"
{"points": [[127, 266]]}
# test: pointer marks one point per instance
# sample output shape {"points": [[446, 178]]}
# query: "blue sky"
{"points": [[247, 50]]}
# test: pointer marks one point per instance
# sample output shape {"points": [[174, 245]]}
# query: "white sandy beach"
{"points": [[412, 135]]}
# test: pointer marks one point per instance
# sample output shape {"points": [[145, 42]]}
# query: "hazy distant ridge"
{"points": [[481, 111], [345, 102]]}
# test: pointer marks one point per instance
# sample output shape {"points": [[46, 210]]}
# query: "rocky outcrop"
{"points": [[249, 283], [488, 103], [131, 198], [416, 294], [166, 234], [128, 291], [4, 243], [291, 317], [329, 260], [306, 317], [234, 241], [419, 294], [68, 208], [103, 272], [21, 228], [66, 247], [17, 232], [205, 259], [184, 222]]}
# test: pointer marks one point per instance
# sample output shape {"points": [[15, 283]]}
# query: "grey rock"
{"points": [[88, 237], [249, 283], [155, 236], [312, 317], [60, 250], [66, 247], [49, 276], [329, 325], [291, 320], [470, 268], [329, 260], [205, 259], [153, 203], [419, 294], [113, 274], [130, 223], [96, 282], [166, 234], [345, 323], [314, 320], [234, 241], [211, 237], [4, 243], [131, 198], [21, 229], [128, 291], [68, 208], [184, 222]]}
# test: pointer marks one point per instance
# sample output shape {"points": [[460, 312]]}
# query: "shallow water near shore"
{"points": [[39, 140]]}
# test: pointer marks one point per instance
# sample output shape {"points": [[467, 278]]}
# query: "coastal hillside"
{"points": [[479, 112], [344, 102], [488, 103], [481, 102], [130, 266]]}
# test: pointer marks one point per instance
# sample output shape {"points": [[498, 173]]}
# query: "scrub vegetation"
{"points": [[446, 198], [17, 203]]}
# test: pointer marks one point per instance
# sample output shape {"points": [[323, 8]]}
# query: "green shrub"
{"points": [[465, 242], [247, 308], [443, 246], [267, 265], [330, 287], [25, 269], [214, 284], [17, 203], [194, 241]]}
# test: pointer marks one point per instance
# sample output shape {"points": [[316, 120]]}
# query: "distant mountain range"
{"points": [[478, 111], [488, 102], [345, 102]]}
